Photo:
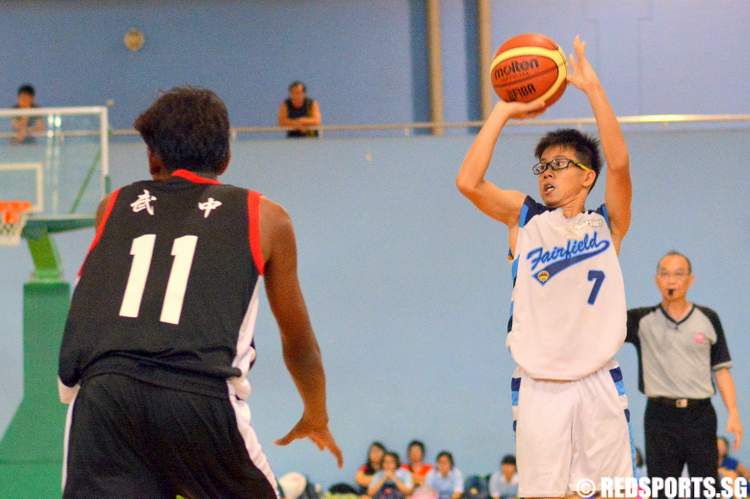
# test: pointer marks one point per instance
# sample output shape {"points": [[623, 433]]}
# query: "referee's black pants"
{"points": [[675, 437]]}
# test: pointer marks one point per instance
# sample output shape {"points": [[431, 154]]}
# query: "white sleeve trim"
{"points": [[722, 365]]}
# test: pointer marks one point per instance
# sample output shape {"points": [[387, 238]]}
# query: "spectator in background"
{"points": [[299, 112], [727, 462], [374, 462], [446, 479], [416, 466], [504, 482], [25, 127], [391, 481]]}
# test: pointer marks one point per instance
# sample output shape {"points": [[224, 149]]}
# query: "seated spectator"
{"points": [[25, 127], [504, 482], [446, 479], [727, 463], [416, 466], [391, 482], [299, 112], [374, 460]]}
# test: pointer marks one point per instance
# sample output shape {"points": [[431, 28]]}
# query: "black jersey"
{"points": [[168, 291]]}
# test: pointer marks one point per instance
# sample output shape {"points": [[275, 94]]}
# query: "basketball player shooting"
{"points": [[568, 313], [159, 338]]}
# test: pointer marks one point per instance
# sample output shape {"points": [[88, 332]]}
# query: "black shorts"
{"points": [[676, 437], [128, 439]]}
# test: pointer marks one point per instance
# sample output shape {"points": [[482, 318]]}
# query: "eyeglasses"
{"points": [[557, 164], [677, 275]]}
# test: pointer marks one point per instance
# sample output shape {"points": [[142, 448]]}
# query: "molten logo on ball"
{"points": [[502, 71]]}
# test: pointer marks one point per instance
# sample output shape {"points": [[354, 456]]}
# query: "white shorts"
{"points": [[568, 431]]}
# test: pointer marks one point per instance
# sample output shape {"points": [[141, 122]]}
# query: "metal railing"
{"points": [[665, 119], [406, 128]]}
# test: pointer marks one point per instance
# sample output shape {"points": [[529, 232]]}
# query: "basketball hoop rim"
{"points": [[13, 216]]}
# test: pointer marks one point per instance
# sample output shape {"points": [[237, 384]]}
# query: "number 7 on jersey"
{"points": [[598, 277]]}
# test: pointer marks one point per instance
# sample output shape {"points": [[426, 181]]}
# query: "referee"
{"points": [[679, 345]]}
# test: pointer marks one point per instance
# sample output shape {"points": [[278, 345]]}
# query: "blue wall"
{"points": [[408, 286], [365, 61]]}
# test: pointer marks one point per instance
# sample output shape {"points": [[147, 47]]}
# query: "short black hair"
{"points": [[296, 83], [187, 127], [508, 459], [585, 146], [416, 443], [446, 454], [395, 457], [675, 253], [26, 88], [368, 464]]}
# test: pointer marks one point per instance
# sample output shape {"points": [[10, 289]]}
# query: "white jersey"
{"points": [[568, 314]]}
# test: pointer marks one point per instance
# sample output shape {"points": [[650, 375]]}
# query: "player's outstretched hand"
{"points": [[522, 110], [318, 432], [583, 75]]}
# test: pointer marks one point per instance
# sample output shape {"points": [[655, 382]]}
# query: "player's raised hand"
{"points": [[318, 432], [522, 110], [583, 75]]}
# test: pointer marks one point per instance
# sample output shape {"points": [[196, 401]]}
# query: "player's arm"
{"points": [[618, 190], [314, 119], [65, 392], [38, 125], [101, 209], [284, 119], [301, 352], [725, 385], [495, 202]]}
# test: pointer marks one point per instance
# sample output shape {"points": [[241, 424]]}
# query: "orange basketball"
{"points": [[528, 67]]}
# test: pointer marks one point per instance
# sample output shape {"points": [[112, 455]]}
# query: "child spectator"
{"points": [[391, 482], [504, 482], [446, 479], [374, 460], [416, 466]]}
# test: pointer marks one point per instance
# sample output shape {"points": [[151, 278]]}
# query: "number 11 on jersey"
{"points": [[142, 249]]}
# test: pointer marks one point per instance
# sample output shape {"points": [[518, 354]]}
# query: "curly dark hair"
{"points": [[187, 127], [585, 146]]}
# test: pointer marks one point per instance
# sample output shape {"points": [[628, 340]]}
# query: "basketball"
{"points": [[528, 67]]}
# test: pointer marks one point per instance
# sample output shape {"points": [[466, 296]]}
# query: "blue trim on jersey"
{"points": [[632, 444], [515, 387], [524, 213], [514, 270], [510, 313], [602, 210], [617, 378], [515, 384]]}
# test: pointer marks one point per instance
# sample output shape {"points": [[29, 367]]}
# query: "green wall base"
{"points": [[32, 447]]}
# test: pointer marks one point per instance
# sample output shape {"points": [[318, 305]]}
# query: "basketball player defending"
{"points": [[159, 338], [568, 314]]}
